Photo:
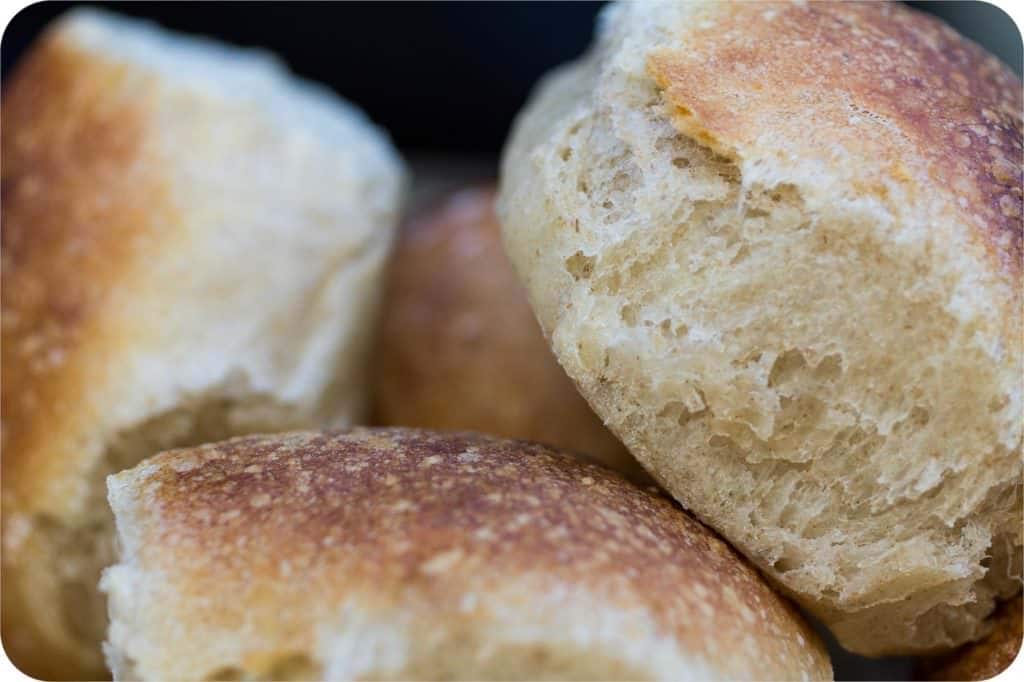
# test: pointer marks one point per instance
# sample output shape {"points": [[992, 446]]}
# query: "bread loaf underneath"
{"points": [[778, 248], [409, 554], [985, 659], [459, 346], [192, 246]]}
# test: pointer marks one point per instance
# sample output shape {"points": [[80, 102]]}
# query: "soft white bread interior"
{"points": [[460, 349], [778, 247], [409, 554], [192, 247]]}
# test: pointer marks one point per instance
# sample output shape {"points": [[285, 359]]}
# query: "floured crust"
{"points": [[300, 524], [898, 95]]}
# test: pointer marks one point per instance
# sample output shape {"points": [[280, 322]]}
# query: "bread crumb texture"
{"points": [[460, 348], [778, 248], [190, 245], [394, 553]]}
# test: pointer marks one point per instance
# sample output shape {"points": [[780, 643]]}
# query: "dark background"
{"points": [[441, 77], [446, 79]]}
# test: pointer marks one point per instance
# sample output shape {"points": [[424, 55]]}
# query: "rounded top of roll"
{"points": [[893, 94], [454, 529]]}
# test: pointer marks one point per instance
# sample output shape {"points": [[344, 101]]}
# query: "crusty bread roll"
{"points": [[987, 658], [459, 346], [192, 249], [409, 554], [778, 247]]}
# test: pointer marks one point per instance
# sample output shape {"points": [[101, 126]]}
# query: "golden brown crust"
{"points": [[408, 509], [989, 657], [892, 88], [66, 239], [64, 246], [460, 348]]}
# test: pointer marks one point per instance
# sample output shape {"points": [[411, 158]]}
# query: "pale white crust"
{"points": [[192, 247], [409, 554], [778, 248]]}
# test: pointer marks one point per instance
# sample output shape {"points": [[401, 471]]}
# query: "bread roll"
{"points": [[192, 248], [408, 554], [778, 248], [987, 658], [459, 346]]}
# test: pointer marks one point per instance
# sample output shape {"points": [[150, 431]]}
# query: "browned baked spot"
{"points": [[77, 202], [886, 84]]}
